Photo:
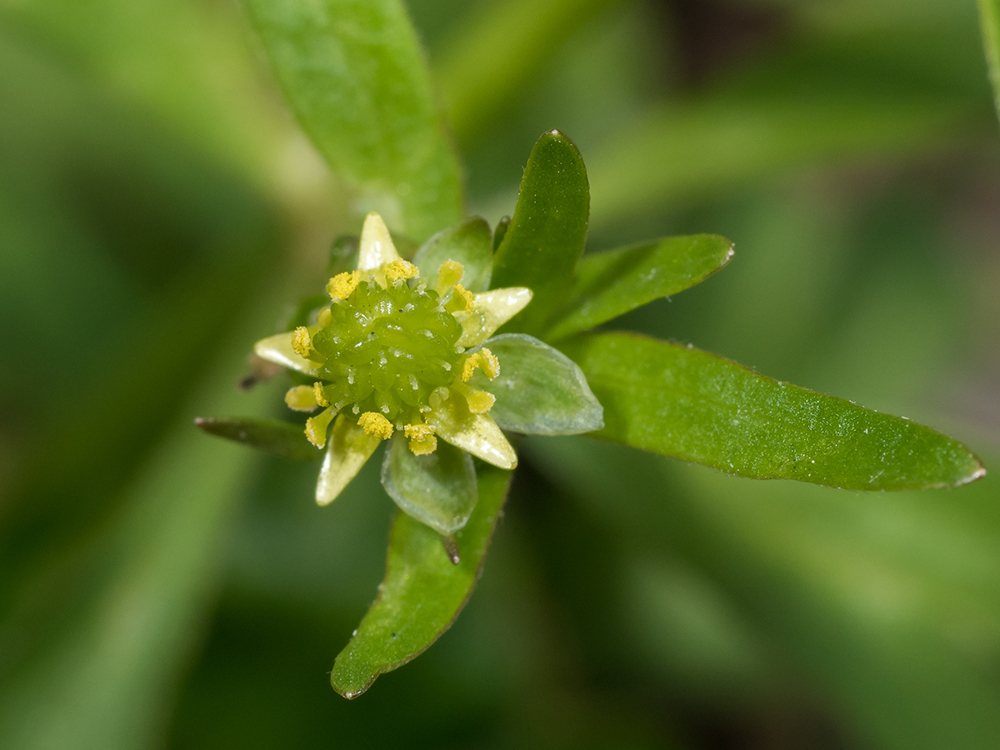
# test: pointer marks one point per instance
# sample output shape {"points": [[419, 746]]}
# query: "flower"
{"points": [[407, 356]]}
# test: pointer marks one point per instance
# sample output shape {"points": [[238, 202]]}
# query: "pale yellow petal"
{"points": [[376, 248], [476, 433], [490, 311], [279, 349], [302, 398], [348, 450]]}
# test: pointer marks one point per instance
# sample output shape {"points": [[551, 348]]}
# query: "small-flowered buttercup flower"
{"points": [[404, 352]]}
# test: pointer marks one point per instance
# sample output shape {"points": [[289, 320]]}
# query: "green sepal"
{"points": [[422, 592], [469, 244], [610, 284], [546, 236], [271, 435], [690, 404], [438, 489], [539, 390]]}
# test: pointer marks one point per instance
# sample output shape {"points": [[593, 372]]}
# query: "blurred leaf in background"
{"points": [[162, 589]]}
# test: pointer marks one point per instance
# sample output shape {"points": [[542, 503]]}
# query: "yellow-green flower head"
{"points": [[394, 353]]}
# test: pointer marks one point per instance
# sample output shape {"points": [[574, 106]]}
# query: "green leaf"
{"points": [[610, 284], [686, 403], [539, 389], [525, 35], [438, 489], [545, 238], [678, 154], [272, 435], [468, 243], [357, 79], [422, 592], [989, 15]]}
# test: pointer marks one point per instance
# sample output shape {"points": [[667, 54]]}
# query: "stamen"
{"points": [[318, 393], [399, 269], [462, 300], [421, 437], [301, 342], [485, 360], [316, 427], [341, 285], [417, 431], [449, 274], [375, 424]]}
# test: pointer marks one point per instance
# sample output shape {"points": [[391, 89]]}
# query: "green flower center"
{"points": [[387, 349]]}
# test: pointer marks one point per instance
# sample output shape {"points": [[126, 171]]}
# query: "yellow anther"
{"points": [[449, 274], [421, 437], [301, 398], [324, 317], [302, 342], [316, 427], [462, 299], [485, 360], [399, 269], [480, 402], [418, 431], [341, 285], [317, 389], [375, 424], [424, 446]]}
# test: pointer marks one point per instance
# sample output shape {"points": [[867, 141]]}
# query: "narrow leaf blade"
{"points": [[271, 435], [612, 283], [357, 79], [539, 391], [469, 243], [546, 235], [690, 404], [989, 15], [422, 593]]}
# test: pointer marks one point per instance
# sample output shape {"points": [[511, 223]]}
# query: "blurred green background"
{"points": [[159, 209]]}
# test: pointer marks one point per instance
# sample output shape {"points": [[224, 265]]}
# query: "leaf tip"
{"points": [[975, 476], [451, 548], [208, 425]]}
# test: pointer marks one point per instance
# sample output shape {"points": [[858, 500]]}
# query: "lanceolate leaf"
{"points": [[989, 14], [272, 435], [469, 243], [422, 592], [545, 238], [612, 283], [357, 79], [686, 403], [539, 390]]}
